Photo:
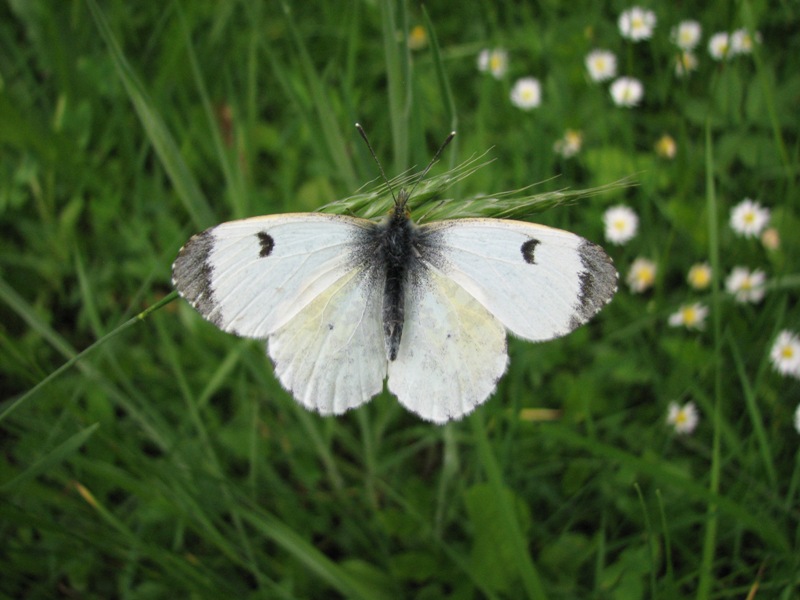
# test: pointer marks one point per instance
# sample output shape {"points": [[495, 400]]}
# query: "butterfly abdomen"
{"points": [[395, 249]]}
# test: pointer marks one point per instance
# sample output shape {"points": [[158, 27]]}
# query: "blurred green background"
{"points": [[168, 462]]}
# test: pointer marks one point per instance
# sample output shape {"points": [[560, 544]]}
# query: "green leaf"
{"points": [[493, 557]]}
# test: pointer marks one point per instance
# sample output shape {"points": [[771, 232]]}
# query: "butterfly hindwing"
{"points": [[540, 282], [331, 355], [452, 352]]}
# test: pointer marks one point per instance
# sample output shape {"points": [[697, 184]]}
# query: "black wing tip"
{"points": [[599, 281], [192, 273]]}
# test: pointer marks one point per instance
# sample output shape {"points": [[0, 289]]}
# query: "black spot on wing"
{"points": [[192, 272], [528, 249], [598, 281], [267, 243]]}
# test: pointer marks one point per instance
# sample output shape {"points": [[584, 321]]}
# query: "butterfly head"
{"points": [[401, 200], [401, 204]]}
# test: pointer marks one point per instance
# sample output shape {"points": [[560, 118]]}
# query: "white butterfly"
{"points": [[345, 302]]}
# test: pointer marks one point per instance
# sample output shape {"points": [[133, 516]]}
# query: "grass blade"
{"points": [[186, 185], [398, 75], [328, 123], [227, 159], [528, 573], [314, 560], [445, 92], [712, 520], [57, 455], [11, 298], [756, 419]]}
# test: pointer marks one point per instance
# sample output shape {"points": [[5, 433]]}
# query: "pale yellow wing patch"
{"points": [[330, 355], [452, 352]]}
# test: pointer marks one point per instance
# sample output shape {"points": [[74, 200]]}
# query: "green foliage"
{"points": [[148, 455]]}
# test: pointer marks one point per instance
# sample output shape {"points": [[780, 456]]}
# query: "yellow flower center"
{"points": [[700, 278], [666, 146], [417, 37], [645, 276], [689, 315], [787, 352], [749, 218], [681, 417]]}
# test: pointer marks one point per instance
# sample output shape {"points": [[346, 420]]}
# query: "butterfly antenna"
{"points": [[375, 156], [447, 140]]}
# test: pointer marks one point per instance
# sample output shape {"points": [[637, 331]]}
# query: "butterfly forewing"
{"points": [[250, 277], [540, 282]]}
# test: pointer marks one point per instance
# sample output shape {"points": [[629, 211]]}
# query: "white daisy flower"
{"points": [[627, 91], [637, 23], [742, 41], [746, 286], [686, 34], [570, 144], [526, 93], [785, 354], [749, 218], [494, 61], [699, 276], [719, 46], [621, 224], [685, 63], [684, 418], [642, 275], [601, 64], [691, 316]]}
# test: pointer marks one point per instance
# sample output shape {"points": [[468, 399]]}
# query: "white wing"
{"points": [[452, 351], [250, 277], [331, 355], [540, 282], [301, 281]]}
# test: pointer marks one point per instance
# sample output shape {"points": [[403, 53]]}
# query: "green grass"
{"points": [[145, 454]]}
